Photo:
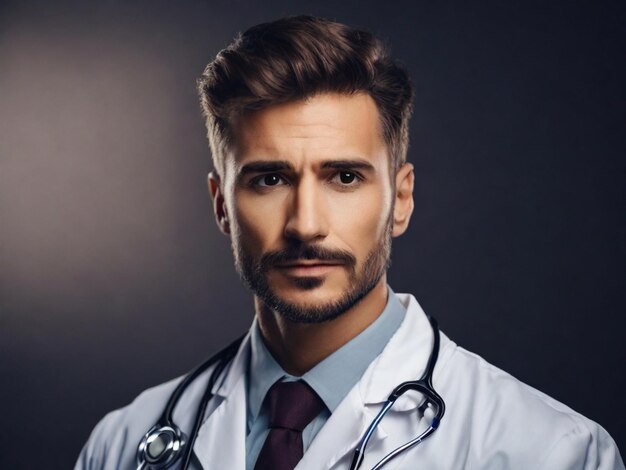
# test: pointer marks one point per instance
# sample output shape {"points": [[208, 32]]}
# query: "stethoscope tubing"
{"points": [[223, 358], [425, 386], [229, 354], [166, 421]]}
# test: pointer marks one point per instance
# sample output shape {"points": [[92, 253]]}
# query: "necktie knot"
{"points": [[293, 405]]}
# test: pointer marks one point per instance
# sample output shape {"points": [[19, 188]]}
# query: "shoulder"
{"points": [[514, 425], [113, 442], [494, 420]]}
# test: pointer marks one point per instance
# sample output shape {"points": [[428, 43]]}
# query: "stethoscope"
{"points": [[165, 444]]}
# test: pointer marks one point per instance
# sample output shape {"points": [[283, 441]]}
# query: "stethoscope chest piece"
{"points": [[160, 447]]}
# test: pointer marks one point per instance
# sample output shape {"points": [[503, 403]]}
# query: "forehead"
{"points": [[324, 126]]}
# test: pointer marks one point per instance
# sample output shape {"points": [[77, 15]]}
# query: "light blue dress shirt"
{"points": [[331, 379]]}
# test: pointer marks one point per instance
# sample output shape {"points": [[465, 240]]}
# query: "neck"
{"points": [[298, 347]]}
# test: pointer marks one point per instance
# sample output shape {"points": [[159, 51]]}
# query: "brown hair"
{"points": [[297, 57]]}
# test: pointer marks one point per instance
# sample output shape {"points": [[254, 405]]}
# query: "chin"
{"points": [[308, 297], [312, 306], [313, 289]]}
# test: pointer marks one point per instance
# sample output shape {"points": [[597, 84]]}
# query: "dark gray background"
{"points": [[114, 277]]}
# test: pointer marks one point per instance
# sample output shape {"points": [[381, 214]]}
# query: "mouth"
{"points": [[308, 267]]}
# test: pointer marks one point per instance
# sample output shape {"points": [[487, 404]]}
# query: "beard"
{"points": [[254, 273]]}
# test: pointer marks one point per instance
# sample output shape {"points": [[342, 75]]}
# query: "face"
{"points": [[308, 202]]}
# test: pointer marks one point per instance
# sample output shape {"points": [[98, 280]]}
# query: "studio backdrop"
{"points": [[114, 276]]}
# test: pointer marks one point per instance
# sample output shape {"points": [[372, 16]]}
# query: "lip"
{"points": [[309, 267]]}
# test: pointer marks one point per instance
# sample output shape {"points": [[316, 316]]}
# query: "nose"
{"points": [[306, 220]]}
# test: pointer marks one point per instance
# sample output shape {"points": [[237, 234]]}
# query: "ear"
{"points": [[403, 207], [219, 207]]}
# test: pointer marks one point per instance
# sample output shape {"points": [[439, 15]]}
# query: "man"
{"points": [[308, 126]]}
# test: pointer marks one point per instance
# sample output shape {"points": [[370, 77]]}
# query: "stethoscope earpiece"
{"points": [[160, 447]]}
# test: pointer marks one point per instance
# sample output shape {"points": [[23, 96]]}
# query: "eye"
{"points": [[271, 179], [346, 178]]}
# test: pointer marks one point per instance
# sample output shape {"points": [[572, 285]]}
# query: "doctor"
{"points": [[308, 127]]}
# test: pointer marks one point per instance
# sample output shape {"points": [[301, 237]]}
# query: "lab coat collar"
{"points": [[344, 428], [414, 339], [237, 369], [340, 434], [221, 438]]}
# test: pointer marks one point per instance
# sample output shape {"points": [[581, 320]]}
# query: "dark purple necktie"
{"points": [[292, 405]]}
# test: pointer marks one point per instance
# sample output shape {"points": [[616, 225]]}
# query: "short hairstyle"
{"points": [[298, 57]]}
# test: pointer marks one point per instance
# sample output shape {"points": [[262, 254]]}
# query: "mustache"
{"points": [[306, 252]]}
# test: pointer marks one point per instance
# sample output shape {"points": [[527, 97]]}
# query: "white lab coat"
{"points": [[492, 420]]}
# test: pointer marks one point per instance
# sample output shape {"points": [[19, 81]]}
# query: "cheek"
{"points": [[258, 223], [360, 219]]}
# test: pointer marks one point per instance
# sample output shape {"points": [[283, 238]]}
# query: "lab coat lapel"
{"points": [[340, 435], [221, 438], [404, 358]]}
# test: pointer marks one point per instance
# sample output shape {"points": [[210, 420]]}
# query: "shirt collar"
{"points": [[333, 377], [263, 372]]}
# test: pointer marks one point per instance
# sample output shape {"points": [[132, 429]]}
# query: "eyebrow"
{"points": [[281, 165], [265, 167], [348, 165]]}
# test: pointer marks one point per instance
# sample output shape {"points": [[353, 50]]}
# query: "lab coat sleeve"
{"points": [[584, 448]]}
